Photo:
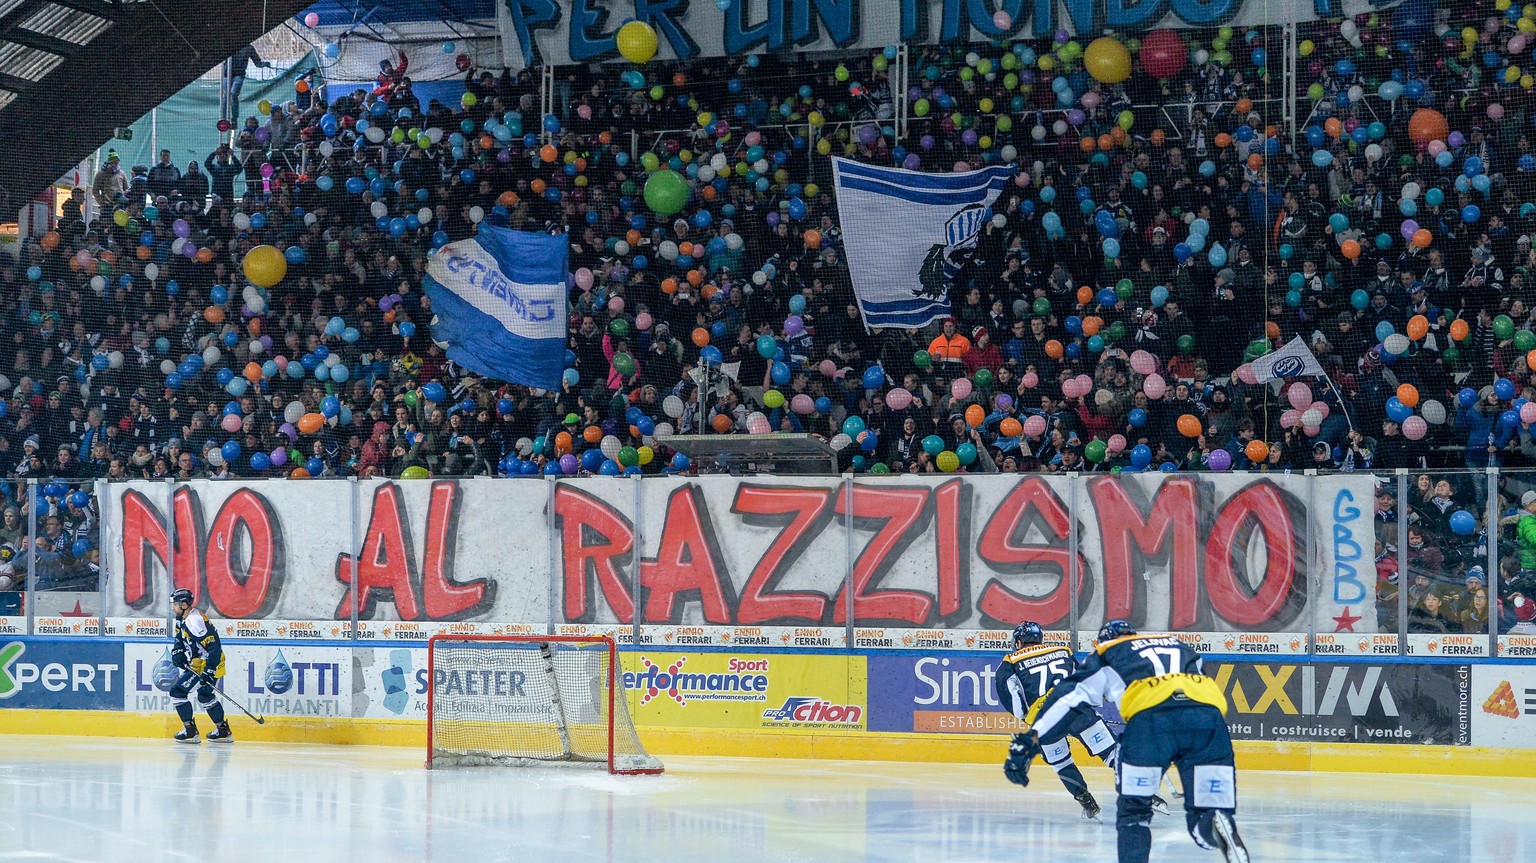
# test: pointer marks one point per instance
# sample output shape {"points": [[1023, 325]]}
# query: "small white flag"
{"points": [[1293, 360]]}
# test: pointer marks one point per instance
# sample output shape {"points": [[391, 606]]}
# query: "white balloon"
{"points": [[664, 429], [706, 174], [610, 446], [211, 356], [378, 209], [1411, 191], [621, 248], [475, 213], [667, 250], [719, 162], [310, 219], [1372, 152], [435, 135], [256, 347], [98, 283], [215, 457], [1059, 127], [177, 245], [759, 278], [1396, 344], [294, 410], [1202, 57], [114, 359], [1038, 132], [151, 272], [167, 366], [327, 148], [841, 441], [524, 447], [672, 406], [734, 242], [424, 215], [1009, 152], [999, 220], [258, 305], [1349, 29], [332, 359], [375, 134], [1433, 411], [242, 222], [760, 166], [1356, 93]]}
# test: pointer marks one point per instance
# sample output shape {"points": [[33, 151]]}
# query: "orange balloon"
{"points": [[1255, 161], [1119, 136], [605, 137], [1408, 394], [1256, 450], [213, 315], [1271, 330], [1158, 137], [1350, 249], [1085, 295], [538, 186], [1530, 359], [487, 142], [1418, 328], [50, 241], [205, 256], [975, 415], [253, 326], [669, 286], [507, 198], [1243, 105], [1086, 144], [721, 423], [1422, 238], [685, 249], [1106, 143], [1223, 140], [548, 153], [311, 422], [109, 256], [1054, 350], [143, 252], [298, 473], [695, 278], [1092, 324], [563, 442], [253, 372], [679, 79], [1427, 125], [1010, 427], [632, 237], [700, 337], [1333, 127], [1189, 425], [592, 434], [1459, 329], [709, 291], [812, 238], [707, 193], [301, 86]]}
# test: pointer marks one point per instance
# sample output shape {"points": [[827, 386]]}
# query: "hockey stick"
{"points": [[214, 684]]}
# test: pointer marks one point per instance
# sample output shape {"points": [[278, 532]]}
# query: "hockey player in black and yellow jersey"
{"points": [[200, 656], [1174, 716], [1025, 680]]}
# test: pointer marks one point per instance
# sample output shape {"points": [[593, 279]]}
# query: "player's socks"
{"points": [[221, 734], [188, 734], [215, 713]]}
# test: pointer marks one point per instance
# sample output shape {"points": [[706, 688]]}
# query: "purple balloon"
{"points": [[1409, 226], [189, 251], [969, 137], [1075, 117], [926, 142], [279, 457], [266, 343], [794, 325], [868, 135], [1456, 140], [504, 156], [290, 431], [938, 93], [263, 135], [568, 464], [912, 162], [914, 93], [609, 427], [773, 218], [182, 229], [1219, 460], [1004, 401]]}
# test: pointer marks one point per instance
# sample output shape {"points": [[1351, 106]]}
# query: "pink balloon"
{"points": [[584, 279], [753, 138], [1435, 147], [1034, 426], [616, 305], [1085, 384], [1495, 111], [1246, 375], [1300, 396], [828, 368], [282, 362], [1528, 413], [1143, 363], [1414, 427], [1030, 380], [760, 425], [802, 404], [962, 167], [266, 171], [643, 321], [83, 258], [1021, 179], [1090, 100], [1321, 407], [584, 112], [1116, 442], [230, 423], [1002, 20], [1312, 431], [1154, 386], [1290, 418], [900, 399], [960, 388]]}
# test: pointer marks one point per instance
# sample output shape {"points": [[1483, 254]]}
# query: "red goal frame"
{"points": [[614, 682]]}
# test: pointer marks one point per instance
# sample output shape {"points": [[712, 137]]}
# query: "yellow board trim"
{"points": [[776, 743]]}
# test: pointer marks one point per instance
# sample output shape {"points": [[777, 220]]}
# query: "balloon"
{"points": [[1427, 125], [1256, 451], [1415, 428], [1219, 460], [1463, 523], [1034, 426], [1189, 425], [933, 444], [960, 388], [1107, 60], [947, 461], [666, 192], [637, 41], [265, 266], [1408, 395], [1163, 53]]}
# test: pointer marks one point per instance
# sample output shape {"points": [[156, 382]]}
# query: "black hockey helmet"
{"points": [[181, 594], [1116, 629], [1026, 633]]}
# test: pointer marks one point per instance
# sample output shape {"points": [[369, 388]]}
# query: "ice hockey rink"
{"points": [[87, 799]]}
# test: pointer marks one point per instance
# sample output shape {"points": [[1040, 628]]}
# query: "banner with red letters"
{"points": [[1242, 563]]}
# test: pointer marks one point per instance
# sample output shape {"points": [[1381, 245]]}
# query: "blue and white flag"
{"points": [[907, 234], [500, 304]]}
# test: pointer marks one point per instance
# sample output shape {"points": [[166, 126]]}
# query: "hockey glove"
{"points": [[198, 666], [179, 658], [1021, 753]]}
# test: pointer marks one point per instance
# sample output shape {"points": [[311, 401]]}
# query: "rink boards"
{"points": [[1349, 714]]}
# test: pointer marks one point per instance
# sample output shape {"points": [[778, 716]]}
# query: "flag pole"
{"points": [[1342, 409]]}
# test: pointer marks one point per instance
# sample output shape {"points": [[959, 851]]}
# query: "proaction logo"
{"points": [[743, 680], [815, 711]]}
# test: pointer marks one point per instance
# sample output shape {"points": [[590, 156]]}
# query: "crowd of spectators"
{"points": [[140, 351]]}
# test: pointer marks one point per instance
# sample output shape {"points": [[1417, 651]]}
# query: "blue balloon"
{"points": [[407, 329], [1384, 329], [314, 465], [1159, 297], [1136, 418], [1107, 297], [1471, 213], [230, 450], [1463, 523], [1397, 410], [874, 378], [1141, 456], [780, 373], [823, 405], [710, 355], [1504, 388], [434, 392], [330, 406], [260, 461], [1467, 397]]}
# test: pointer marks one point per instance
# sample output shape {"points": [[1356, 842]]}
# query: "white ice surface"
{"points": [[82, 799]]}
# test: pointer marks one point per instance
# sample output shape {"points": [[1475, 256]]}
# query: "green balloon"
{"points": [[1042, 306], [1095, 451], [1124, 289], [1256, 348], [922, 359], [1116, 331], [1503, 327], [650, 161], [411, 399], [624, 364], [629, 456], [415, 471], [983, 378], [620, 328], [1186, 344], [1525, 341], [881, 469], [666, 192], [1451, 353]]}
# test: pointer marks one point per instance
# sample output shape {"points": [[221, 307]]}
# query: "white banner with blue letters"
{"points": [[907, 234], [500, 304]]}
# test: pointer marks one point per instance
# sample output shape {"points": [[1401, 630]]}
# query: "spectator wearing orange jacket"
{"points": [[948, 349]]}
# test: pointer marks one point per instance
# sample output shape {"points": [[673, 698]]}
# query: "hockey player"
{"points": [[1174, 716], [1025, 681], [200, 656]]}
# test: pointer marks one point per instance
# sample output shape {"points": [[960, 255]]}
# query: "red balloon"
{"points": [[1163, 54]]}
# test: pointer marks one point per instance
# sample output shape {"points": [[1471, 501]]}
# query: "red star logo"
{"points": [[1346, 622], [78, 612]]}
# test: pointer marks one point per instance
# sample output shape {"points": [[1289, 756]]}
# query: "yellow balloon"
{"points": [[824, 147], [948, 461], [1107, 60], [985, 105], [816, 119], [265, 266], [1526, 25], [646, 455], [1512, 74], [120, 218], [1046, 62], [637, 41], [264, 107], [812, 190], [1503, 5], [1527, 80], [705, 118], [1306, 48]]}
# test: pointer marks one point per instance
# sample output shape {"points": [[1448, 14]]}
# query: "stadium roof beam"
{"points": [[43, 42]]}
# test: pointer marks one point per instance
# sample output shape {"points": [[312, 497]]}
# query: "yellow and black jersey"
{"points": [[1027, 675], [199, 642], [1136, 672]]}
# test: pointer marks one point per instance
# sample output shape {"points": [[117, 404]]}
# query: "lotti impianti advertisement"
{"points": [[270, 680]]}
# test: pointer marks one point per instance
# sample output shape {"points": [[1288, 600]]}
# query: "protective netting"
{"points": [[529, 702]]}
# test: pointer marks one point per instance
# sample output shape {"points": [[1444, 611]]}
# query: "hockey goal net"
{"points": [[529, 700]]}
